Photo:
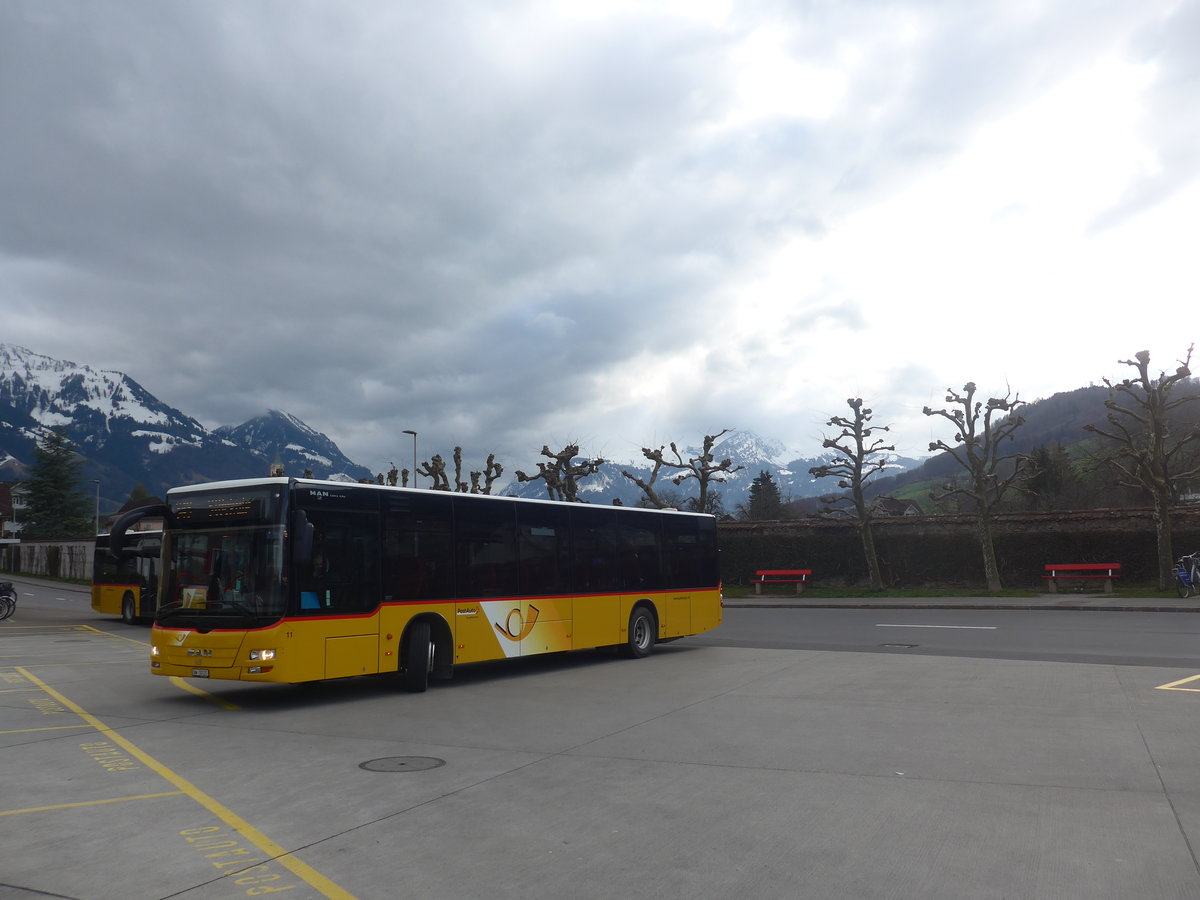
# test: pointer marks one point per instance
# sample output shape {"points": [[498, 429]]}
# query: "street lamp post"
{"points": [[414, 434]]}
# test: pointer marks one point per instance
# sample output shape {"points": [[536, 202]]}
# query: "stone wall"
{"points": [[53, 559], [937, 550]]}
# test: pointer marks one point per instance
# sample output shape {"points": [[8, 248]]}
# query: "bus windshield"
{"points": [[224, 578]]}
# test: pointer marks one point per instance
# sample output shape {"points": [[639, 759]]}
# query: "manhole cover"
{"points": [[899, 646], [402, 764]]}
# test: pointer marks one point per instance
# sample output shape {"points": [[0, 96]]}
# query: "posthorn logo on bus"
{"points": [[520, 630]]}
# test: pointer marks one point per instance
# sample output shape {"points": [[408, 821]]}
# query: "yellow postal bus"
{"points": [[293, 580], [127, 585]]}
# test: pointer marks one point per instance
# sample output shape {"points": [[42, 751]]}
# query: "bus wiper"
{"points": [[213, 611], [234, 606]]}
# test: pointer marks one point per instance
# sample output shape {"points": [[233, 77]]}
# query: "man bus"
{"points": [[293, 580], [127, 585]]}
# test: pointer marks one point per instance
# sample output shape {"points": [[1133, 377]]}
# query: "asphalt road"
{"points": [[712, 769], [1091, 636]]}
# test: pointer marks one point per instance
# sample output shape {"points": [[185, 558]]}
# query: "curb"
{"points": [[918, 604]]}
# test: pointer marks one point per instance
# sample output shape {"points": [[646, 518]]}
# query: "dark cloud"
{"points": [[496, 226]]}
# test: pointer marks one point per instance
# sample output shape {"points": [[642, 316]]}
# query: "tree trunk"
{"points": [[868, 542], [990, 570], [1162, 532]]}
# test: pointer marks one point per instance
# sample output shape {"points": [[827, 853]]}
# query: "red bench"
{"points": [[1072, 571], [797, 577]]}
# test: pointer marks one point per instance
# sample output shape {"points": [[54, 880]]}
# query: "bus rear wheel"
{"points": [[128, 609], [640, 639], [418, 657]]}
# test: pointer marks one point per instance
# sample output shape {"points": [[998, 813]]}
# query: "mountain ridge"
{"points": [[128, 436]]}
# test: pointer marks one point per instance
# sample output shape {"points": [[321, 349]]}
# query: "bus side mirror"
{"points": [[116, 536], [302, 538]]}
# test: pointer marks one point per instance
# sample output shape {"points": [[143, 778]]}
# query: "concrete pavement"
{"points": [[699, 773]]}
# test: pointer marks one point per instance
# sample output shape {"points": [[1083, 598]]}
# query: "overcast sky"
{"points": [[510, 224]]}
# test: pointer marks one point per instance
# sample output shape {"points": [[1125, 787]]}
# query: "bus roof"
{"points": [[355, 485]]}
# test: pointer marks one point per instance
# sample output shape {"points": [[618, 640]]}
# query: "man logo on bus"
{"points": [[521, 630]]}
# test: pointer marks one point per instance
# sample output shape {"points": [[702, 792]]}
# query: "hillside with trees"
{"points": [[1068, 456]]}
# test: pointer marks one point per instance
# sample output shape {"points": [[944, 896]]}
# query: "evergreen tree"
{"points": [[764, 501], [138, 493], [56, 505]]}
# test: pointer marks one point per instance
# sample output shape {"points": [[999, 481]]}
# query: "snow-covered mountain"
{"points": [[282, 438], [127, 435], [751, 452]]}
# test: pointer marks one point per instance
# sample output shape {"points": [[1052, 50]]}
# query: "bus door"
{"points": [[340, 586]]}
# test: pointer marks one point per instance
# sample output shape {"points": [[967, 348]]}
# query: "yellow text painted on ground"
{"points": [[271, 851]]}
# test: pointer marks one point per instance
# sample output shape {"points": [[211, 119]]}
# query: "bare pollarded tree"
{"points": [[704, 468], [980, 428], [490, 475], [563, 474], [435, 470], [859, 458], [647, 484], [1149, 456]]}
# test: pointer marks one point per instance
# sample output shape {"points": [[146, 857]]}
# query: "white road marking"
{"points": [[965, 627]]}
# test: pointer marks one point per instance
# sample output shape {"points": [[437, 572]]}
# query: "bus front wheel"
{"points": [[418, 657], [640, 639], [128, 609]]}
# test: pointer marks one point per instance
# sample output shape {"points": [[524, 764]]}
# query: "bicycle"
{"points": [[8, 599], [1187, 574]]}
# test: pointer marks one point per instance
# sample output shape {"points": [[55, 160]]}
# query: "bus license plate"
{"points": [[199, 673]]}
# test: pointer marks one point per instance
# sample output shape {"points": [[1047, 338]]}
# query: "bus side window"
{"points": [[485, 554], [690, 551], [343, 574], [543, 549], [594, 550], [418, 557], [641, 551]]}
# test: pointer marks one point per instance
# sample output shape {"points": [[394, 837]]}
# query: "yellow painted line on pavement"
{"points": [[57, 662], [278, 854], [119, 637], [48, 728], [200, 692], [1174, 685], [43, 629], [36, 809]]}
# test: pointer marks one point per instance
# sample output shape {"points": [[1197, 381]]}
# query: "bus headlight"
{"points": [[262, 654], [153, 652]]}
